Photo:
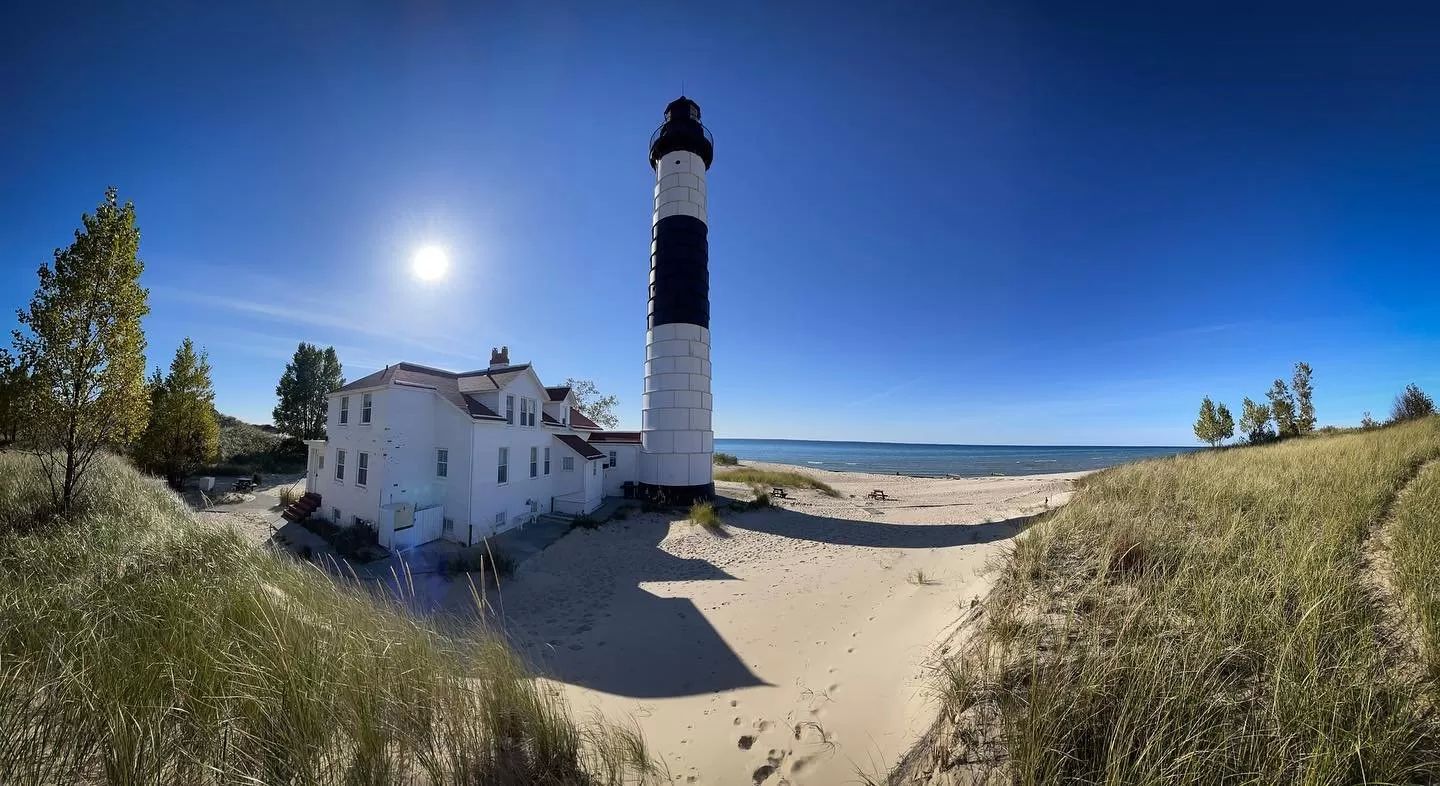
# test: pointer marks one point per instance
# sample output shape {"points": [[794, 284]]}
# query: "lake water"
{"points": [[964, 460]]}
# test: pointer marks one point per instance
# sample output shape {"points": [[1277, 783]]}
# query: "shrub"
{"points": [[776, 478], [1411, 404], [703, 514], [485, 558], [726, 459], [584, 522], [762, 498]]}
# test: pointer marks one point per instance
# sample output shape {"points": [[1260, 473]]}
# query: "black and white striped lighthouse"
{"points": [[677, 443]]}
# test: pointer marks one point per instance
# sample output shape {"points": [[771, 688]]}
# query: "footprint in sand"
{"points": [[746, 741]]}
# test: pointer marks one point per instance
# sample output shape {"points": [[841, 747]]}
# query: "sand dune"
{"points": [[791, 649]]}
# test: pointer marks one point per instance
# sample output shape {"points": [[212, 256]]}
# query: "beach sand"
{"points": [[792, 648]]}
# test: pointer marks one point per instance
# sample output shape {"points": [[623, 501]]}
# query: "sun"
{"points": [[430, 263]]}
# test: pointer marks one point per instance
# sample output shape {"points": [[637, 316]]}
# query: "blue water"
{"points": [[963, 460]]}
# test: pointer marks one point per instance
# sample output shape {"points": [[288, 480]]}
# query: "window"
{"points": [[499, 521], [365, 408], [528, 408], [534, 407], [510, 410], [442, 463], [447, 526], [534, 462], [594, 469], [612, 459], [567, 463], [547, 461], [362, 472], [339, 466], [344, 410], [335, 516], [321, 465], [502, 475]]}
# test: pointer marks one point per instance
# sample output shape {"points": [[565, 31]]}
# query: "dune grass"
{"points": [[139, 646], [704, 515], [725, 459], [1415, 551], [774, 478], [1207, 619]]}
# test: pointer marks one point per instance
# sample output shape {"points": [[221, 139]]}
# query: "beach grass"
{"points": [[138, 645], [704, 515], [1217, 617], [775, 478], [726, 459]]}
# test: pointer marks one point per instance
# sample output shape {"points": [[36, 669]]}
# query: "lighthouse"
{"points": [[677, 444]]}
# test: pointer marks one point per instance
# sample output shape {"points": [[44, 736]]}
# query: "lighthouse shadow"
{"points": [[612, 634]]}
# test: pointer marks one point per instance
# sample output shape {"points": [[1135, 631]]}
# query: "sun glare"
{"points": [[430, 263]]}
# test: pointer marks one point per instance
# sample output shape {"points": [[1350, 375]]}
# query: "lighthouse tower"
{"points": [[677, 443]]}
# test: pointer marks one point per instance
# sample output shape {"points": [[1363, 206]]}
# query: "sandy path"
{"points": [[790, 650]]}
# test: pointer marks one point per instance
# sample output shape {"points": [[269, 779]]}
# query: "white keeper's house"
{"points": [[422, 454]]}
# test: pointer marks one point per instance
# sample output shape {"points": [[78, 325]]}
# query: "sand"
{"points": [[793, 648]]}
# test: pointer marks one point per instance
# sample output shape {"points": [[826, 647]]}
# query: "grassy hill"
{"points": [[138, 646], [1252, 615], [246, 448]]}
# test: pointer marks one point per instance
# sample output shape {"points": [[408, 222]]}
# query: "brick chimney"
{"points": [[499, 357]]}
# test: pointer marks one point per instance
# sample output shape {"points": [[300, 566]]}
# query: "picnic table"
{"points": [[244, 484], [776, 491], [878, 494]]}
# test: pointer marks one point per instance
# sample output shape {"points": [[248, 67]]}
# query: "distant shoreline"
{"points": [[940, 461]]}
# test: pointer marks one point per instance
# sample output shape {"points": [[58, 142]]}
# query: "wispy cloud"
{"points": [[315, 313]]}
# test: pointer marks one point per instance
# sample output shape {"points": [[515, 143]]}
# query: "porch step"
{"points": [[301, 509], [554, 518]]}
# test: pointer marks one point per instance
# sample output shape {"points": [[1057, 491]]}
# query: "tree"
{"points": [[14, 387], [1207, 426], [1304, 405], [1367, 422], [304, 391], [598, 408], [1255, 422], [1282, 409], [1411, 404], [84, 348], [1226, 422], [184, 432]]}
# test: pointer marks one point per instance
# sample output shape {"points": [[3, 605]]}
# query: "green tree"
{"points": [[598, 408], [1282, 409], [84, 348], [1255, 422], [1207, 426], [1226, 422], [184, 432], [1411, 404], [14, 386], [1304, 403], [304, 391]]}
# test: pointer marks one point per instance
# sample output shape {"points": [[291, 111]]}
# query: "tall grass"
{"points": [[775, 478], [1204, 619], [1415, 552], [138, 646]]}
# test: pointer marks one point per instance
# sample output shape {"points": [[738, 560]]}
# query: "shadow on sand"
{"points": [[645, 646]]}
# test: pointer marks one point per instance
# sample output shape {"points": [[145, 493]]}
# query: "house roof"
{"points": [[557, 394], [631, 437], [445, 383], [585, 449], [549, 421], [578, 420]]}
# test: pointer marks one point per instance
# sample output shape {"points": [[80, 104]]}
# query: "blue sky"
{"points": [[1043, 223]]}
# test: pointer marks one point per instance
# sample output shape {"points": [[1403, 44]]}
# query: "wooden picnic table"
{"points": [[878, 494]]}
